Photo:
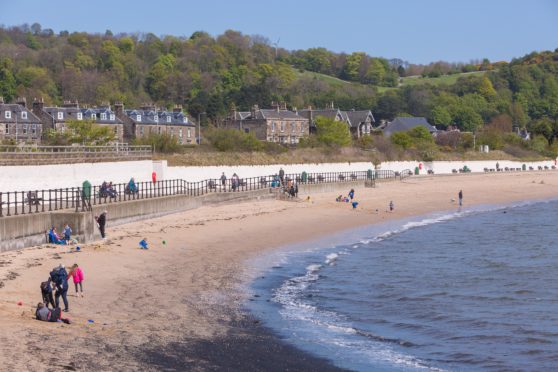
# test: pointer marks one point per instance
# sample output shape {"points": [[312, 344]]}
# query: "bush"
{"points": [[332, 133], [225, 140], [163, 143], [402, 139]]}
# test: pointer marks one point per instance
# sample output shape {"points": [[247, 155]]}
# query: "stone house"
{"points": [[57, 117], [311, 114], [273, 125], [139, 123], [360, 122], [18, 123]]}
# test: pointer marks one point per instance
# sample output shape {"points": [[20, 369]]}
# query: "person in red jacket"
{"points": [[154, 177], [77, 276]]}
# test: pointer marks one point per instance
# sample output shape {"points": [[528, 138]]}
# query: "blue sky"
{"points": [[416, 31]]}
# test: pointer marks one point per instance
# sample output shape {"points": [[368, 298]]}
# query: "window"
{"points": [[273, 126], [8, 115], [246, 130], [24, 114], [180, 133], [115, 130], [138, 117], [185, 120], [60, 116], [24, 128], [168, 119], [7, 129], [189, 133], [293, 126], [79, 116], [171, 131], [103, 116], [93, 116], [141, 131], [282, 126], [112, 117], [159, 130], [34, 129], [302, 127]]}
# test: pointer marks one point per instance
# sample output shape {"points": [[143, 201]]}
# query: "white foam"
{"points": [[330, 258], [313, 267]]}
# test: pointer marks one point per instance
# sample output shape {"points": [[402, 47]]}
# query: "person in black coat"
{"points": [[102, 221]]}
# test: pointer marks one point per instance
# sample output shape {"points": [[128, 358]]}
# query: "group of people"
{"points": [[55, 238], [235, 181], [56, 287], [107, 190]]}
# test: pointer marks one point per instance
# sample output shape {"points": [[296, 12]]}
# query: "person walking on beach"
{"points": [[460, 196], [391, 206], [59, 277], [77, 276], [102, 220], [86, 194], [352, 194]]}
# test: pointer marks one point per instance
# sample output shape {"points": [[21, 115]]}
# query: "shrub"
{"points": [[233, 140], [163, 143], [402, 139], [332, 133]]}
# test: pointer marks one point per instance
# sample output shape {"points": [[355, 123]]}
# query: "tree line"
{"points": [[211, 74]]}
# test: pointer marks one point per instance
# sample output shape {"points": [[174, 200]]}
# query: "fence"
{"points": [[80, 199], [33, 154]]}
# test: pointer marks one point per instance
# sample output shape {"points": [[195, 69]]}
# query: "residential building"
{"points": [[57, 118], [273, 125], [359, 122], [18, 123], [401, 124], [139, 123]]}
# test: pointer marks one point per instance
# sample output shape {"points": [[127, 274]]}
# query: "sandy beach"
{"points": [[178, 305]]}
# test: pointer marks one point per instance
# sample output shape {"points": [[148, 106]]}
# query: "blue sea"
{"points": [[470, 289]]}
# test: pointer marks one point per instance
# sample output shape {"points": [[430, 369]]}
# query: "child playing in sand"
{"points": [[77, 277], [67, 233], [143, 243]]}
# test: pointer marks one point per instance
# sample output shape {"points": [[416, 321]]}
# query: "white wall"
{"points": [[23, 178], [37, 177]]}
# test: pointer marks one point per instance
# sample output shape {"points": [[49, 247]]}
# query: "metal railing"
{"points": [[37, 201], [34, 154]]}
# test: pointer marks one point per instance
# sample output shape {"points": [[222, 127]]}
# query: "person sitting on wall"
{"points": [[111, 191], [103, 190], [131, 187]]}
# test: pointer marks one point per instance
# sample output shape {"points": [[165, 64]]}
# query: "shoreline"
{"points": [[189, 290]]}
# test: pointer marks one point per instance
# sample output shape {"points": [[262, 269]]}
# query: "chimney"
{"points": [[21, 101], [274, 105], [38, 105], [255, 108], [70, 104], [177, 108], [147, 107], [119, 108], [283, 105]]}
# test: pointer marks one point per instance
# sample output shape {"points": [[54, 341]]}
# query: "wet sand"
{"points": [[178, 305]]}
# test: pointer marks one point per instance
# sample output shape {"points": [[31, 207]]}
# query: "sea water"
{"points": [[470, 289]]}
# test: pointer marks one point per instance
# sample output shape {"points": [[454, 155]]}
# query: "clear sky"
{"points": [[419, 31]]}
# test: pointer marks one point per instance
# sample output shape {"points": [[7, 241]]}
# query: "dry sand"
{"points": [[190, 290]]}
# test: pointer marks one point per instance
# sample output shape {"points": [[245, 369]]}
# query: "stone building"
{"points": [[359, 122], [18, 123], [58, 117], [148, 119], [273, 125]]}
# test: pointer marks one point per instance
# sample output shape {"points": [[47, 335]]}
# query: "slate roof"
{"points": [[279, 115], [327, 113], [355, 118], [17, 108], [87, 114], [401, 124], [154, 117]]}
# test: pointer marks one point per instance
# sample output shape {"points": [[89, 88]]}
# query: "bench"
{"points": [[320, 178], [353, 176], [341, 177]]}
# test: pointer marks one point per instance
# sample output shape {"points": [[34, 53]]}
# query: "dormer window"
{"points": [[93, 116], [79, 116], [8, 114], [156, 118], [168, 119], [138, 117], [112, 117], [185, 120], [103, 116], [60, 116], [24, 114]]}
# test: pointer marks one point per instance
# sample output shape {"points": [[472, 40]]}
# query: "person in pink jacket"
{"points": [[77, 276]]}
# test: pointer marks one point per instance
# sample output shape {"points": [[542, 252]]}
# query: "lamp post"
{"points": [[199, 126]]}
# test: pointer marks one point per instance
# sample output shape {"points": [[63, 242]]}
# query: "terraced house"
{"points": [[57, 118], [18, 123], [148, 119], [273, 125]]}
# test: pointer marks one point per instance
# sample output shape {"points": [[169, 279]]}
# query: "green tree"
{"points": [[441, 116], [7, 81], [486, 89], [332, 133], [402, 139], [467, 119], [84, 132]]}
